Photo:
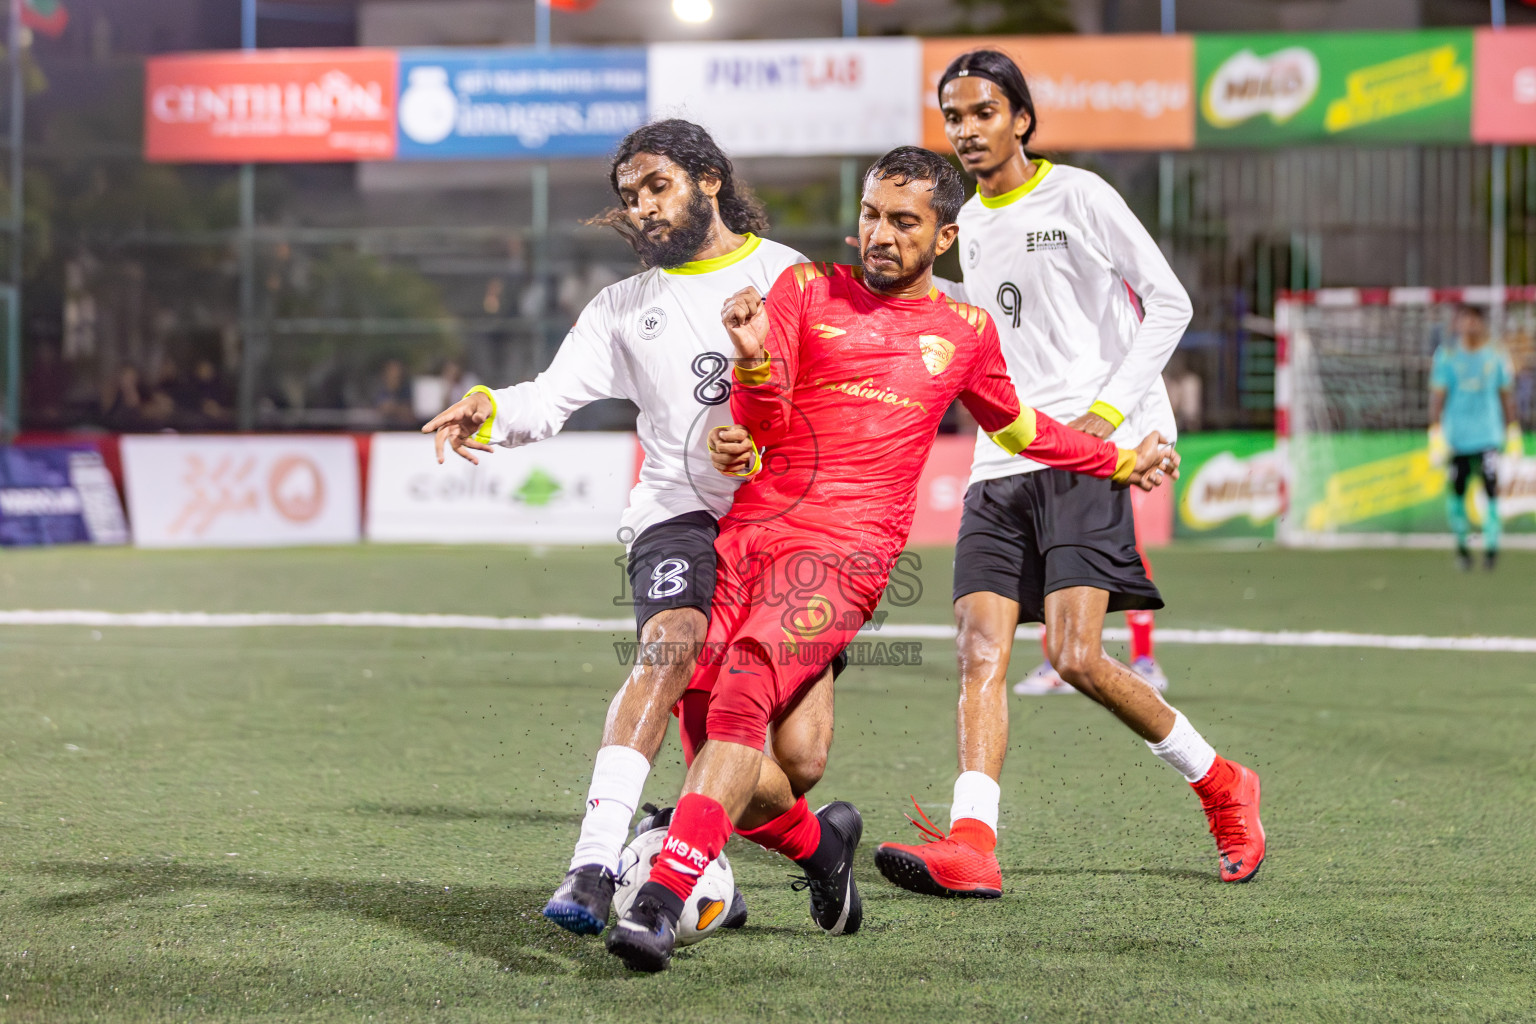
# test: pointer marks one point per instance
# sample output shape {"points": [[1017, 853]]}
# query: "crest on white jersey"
{"points": [[652, 322], [973, 254]]}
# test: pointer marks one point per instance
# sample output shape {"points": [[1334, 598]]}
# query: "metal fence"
{"points": [[1241, 226]]}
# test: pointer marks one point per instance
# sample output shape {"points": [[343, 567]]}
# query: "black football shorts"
{"points": [[1031, 534]]}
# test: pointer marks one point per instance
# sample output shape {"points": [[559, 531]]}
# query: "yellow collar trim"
{"points": [[997, 202], [715, 263]]}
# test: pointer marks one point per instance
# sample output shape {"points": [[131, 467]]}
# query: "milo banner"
{"points": [[1385, 483], [1229, 485], [1357, 87]]}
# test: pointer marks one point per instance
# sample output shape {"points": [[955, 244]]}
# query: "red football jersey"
{"points": [[850, 400]]}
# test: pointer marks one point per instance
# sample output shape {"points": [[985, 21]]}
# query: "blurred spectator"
{"points": [[431, 395], [122, 408], [47, 384], [205, 400], [1186, 394], [159, 401], [392, 400], [582, 284]]}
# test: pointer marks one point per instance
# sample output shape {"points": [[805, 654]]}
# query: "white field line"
{"points": [[579, 624]]}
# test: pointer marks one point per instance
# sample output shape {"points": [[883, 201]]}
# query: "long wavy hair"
{"points": [[693, 149]]}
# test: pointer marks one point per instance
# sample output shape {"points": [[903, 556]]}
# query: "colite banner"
{"points": [[1346, 87], [467, 104]]}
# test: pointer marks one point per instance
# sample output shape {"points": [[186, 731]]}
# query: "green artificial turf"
{"points": [[355, 824]]}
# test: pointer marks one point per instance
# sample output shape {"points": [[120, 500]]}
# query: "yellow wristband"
{"points": [[483, 435], [1125, 463], [753, 375], [1108, 412], [757, 461]]}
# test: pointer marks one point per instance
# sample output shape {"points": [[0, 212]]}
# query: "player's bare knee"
{"points": [[982, 653], [804, 767], [1076, 661]]}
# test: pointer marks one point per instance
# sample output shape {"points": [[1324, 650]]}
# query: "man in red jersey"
{"points": [[843, 374]]}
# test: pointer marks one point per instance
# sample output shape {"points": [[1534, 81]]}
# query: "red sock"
{"points": [[1045, 645], [974, 832], [699, 830], [1141, 633], [1215, 780], [796, 833]]}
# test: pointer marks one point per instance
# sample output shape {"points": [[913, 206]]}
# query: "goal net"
{"points": [[1352, 411]]}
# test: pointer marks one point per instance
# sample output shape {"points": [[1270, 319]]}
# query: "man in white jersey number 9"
{"points": [[1053, 254], [656, 340]]}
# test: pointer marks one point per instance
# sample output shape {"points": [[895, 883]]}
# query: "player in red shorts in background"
{"points": [[843, 373]]}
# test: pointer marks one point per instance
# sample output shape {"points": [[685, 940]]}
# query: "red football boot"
{"points": [[1229, 793], [959, 864]]}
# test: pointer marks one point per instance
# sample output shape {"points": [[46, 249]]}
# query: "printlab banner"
{"points": [[57, 496], [241, 490], [467, 104], [1348, 87], [803, 97], [569, 489], [274, 105], [1090, 92]]}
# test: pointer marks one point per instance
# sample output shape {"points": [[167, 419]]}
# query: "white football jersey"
{"points": [[655, 339], [1051, 262]]}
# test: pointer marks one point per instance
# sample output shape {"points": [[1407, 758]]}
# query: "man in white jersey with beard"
{"points": [[656, 340], [1050, 252]]}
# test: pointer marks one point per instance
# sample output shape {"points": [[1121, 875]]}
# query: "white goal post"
{"points": [[1352, 410]]}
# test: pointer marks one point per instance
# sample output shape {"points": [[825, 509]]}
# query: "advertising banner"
{"points": [[570, 489], [1384, 482], [57, 496], [242, 491], [1347, 87], [802, 97], [1504, 94], [270, 105], [466, 104], [941, 490], [1229, 485], [1090, 92]]}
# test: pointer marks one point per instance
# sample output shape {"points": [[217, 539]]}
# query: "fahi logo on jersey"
{"points": [[652, 322], [1039, 241]]}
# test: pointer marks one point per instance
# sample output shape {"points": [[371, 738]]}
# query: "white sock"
{"points": [[976, 796], [618, 777], [1186, 750]]}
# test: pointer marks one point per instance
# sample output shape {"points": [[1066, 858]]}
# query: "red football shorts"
{"points": [[785, 604]]}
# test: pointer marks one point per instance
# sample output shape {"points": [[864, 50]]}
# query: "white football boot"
{"points": [[1149, 670], [1042, 682]]}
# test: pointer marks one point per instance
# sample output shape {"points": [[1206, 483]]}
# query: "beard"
{"points": [[885, 281], [684, 239]]}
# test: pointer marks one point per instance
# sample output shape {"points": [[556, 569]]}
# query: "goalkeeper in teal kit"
{"points": [[1471, 417]]}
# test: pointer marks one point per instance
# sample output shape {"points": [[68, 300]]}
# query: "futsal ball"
{"points": [[704, 909]]}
